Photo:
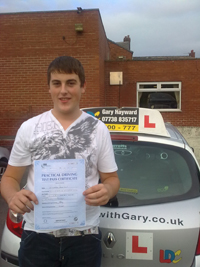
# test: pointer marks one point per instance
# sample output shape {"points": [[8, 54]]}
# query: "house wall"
{"points": [[116, 51], [186, 71], [104, 54]]}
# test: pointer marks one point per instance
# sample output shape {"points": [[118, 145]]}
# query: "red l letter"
{"points": [[162, 260], [135, 247], [147, 124]]}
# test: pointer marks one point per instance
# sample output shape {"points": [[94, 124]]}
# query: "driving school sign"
{"points": [[128, 119], [124, 119]]}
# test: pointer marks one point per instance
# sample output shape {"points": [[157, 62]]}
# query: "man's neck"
{"points": [[66, 119]]}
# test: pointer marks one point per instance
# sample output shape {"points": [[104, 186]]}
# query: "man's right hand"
{"points": [[21, 202]]}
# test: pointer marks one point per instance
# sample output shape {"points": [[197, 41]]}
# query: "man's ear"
{"points": [[83, 88]]}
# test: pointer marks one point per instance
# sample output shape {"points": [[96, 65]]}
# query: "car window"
{"points": [[154, 173]]}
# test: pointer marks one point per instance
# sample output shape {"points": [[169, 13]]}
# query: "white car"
{"points": [[154, 219]]}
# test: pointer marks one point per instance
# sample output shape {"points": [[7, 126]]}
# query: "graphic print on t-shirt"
{"points": [[78, 143]]}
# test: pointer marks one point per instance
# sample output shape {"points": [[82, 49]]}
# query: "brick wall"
{"points": [[186, 71], [104, 54], [28, 43], [117, 51]]}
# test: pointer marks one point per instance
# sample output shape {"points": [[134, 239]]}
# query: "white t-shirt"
{"points": [[43, 137]]}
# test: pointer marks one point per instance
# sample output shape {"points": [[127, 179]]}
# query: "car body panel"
{"points": [[9, 242], [7, 260], [149, 248], [156, 229], [176, 219], [9, 248], [196, 262]]}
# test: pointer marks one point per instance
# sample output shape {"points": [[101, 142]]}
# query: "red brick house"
{"points": [[29, 41]]}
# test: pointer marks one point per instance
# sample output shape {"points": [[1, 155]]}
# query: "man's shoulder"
{"points": [[99, 125], [91, 117], [95, 120], [43, 116]]}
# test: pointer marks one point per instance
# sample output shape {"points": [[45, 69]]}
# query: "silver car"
{"points": [[154, 219]]}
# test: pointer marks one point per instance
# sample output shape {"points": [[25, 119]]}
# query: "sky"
{"points": [[156, 27]]}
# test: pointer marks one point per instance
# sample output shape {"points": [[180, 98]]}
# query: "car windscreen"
{"points": [[154, 173]]}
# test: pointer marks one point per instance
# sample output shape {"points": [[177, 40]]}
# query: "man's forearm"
{"points": [[9, 187], [112, 184], [11, 181]]}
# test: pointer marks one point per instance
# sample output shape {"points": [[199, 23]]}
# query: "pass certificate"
{"points": [[59, 186]]}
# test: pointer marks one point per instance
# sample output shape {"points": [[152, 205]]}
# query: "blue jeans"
{"points": [[44, 250]]}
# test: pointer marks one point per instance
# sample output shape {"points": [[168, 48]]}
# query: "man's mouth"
{"points": [[64, 99]]}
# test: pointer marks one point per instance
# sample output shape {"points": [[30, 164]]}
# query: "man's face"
{"points": [[66, 91]]}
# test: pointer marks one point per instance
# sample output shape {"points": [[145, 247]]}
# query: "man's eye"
{"points": [[71, 83], [56, 84]]}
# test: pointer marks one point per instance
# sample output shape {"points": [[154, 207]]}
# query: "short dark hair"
{"points": [[66, 64]]}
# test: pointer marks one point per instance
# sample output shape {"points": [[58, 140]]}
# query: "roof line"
{"points": [[45, 11], [120, 46]]}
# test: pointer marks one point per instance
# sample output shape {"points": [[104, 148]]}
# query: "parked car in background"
{"points": [[161, 101], [4, 156], [154, 219]]}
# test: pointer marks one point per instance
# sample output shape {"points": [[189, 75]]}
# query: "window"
{"points": [[152, 173], [159, 95]]}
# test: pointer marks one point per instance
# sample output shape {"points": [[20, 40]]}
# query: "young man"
{"points": [[65, 132]]}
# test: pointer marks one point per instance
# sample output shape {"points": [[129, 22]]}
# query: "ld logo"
{"points": [[168, 256]]}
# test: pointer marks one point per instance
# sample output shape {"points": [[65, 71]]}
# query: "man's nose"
{"points": [[64, 88]]}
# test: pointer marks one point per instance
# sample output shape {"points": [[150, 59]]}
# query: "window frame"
{"points": [[160, 90]]}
